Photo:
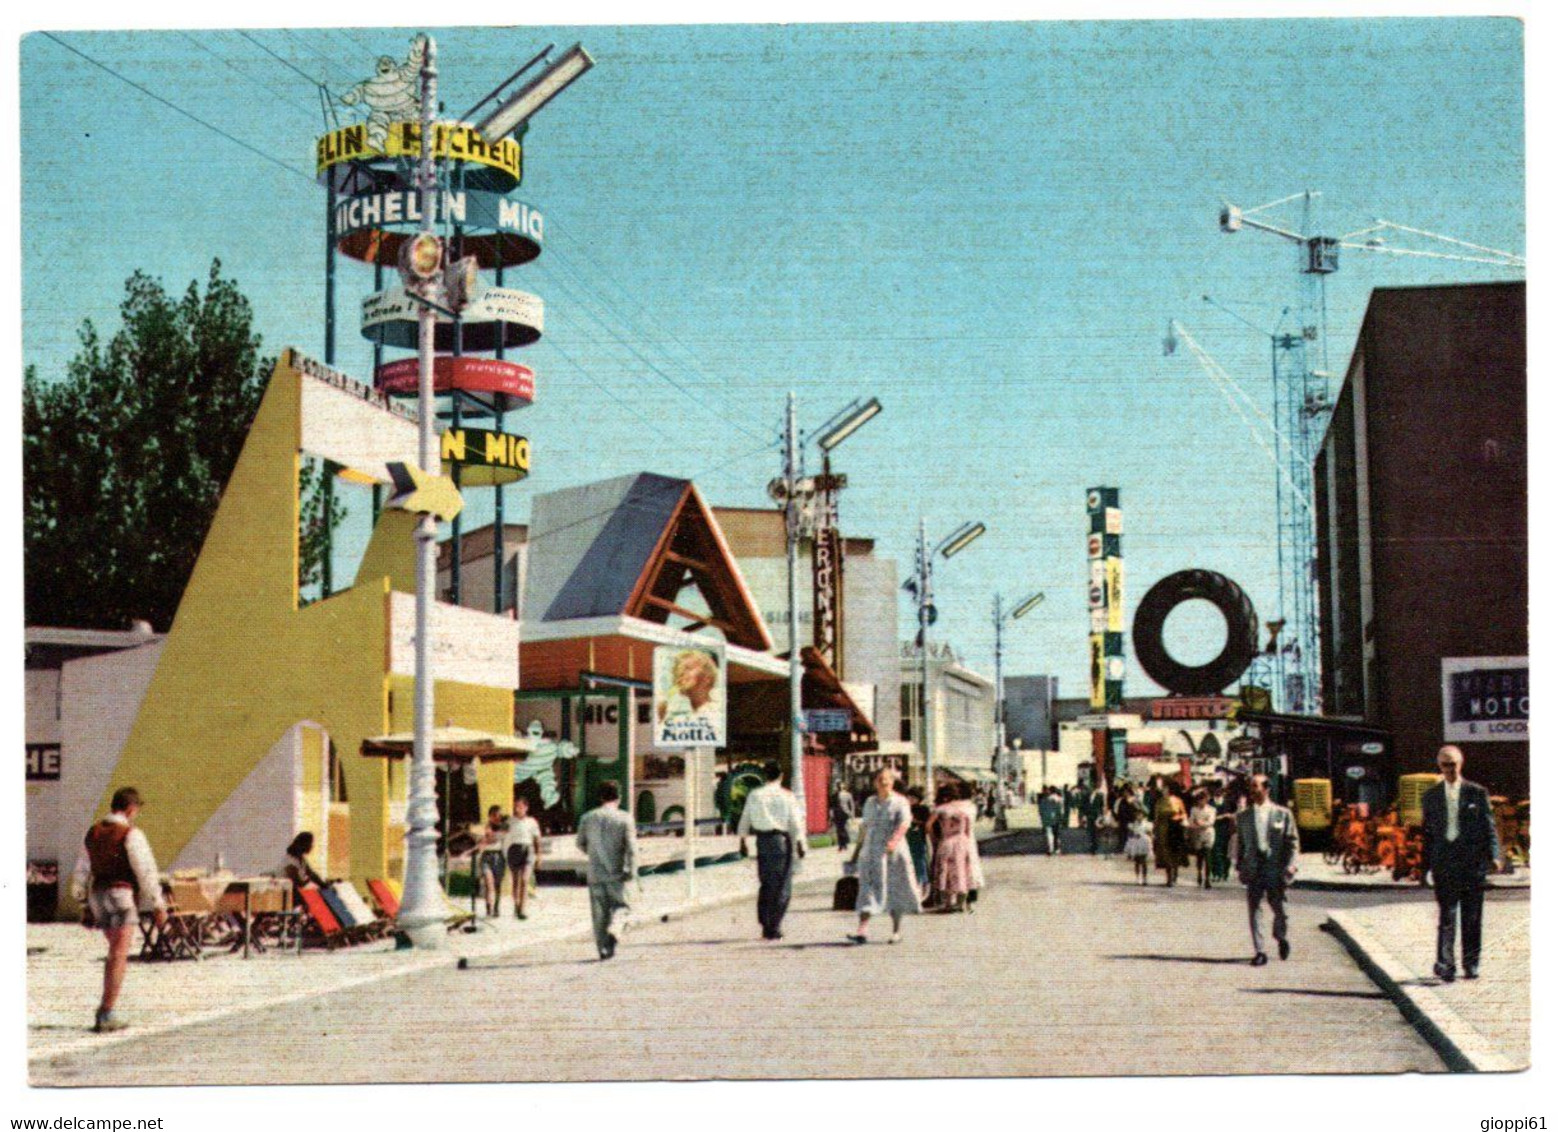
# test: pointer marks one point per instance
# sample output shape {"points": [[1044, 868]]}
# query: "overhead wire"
{"points": [[246, 76], [584, 305], [176, 108], [610, 308], [578, 248], [287, 63]]}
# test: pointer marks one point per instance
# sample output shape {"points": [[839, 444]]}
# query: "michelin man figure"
{"points": [[392, 94]]}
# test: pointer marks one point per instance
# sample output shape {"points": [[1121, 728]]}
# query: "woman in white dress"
{"points": [[886, 869]]}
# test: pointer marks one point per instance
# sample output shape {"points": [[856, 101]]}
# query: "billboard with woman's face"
{"points": [[689, 696]]}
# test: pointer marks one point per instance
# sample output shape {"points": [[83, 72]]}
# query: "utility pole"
{"points": [[1000, 700], [1002, 767], [422, 913], [792, 539], [922, 563]]}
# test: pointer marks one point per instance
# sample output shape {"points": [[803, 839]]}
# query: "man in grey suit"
{"points": [[1267, 856], [606, 836], [1460, 844]]}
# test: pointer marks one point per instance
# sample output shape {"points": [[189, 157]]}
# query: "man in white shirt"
{"points": [[1267, 856], [1460, 845], [522, 847], [773, 814], [117, 877]]}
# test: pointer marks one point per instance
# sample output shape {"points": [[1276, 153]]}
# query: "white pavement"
{"points": [[1482, 1024]]}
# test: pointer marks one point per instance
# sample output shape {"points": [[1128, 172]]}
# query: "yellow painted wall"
{"points": [[242, 663]]}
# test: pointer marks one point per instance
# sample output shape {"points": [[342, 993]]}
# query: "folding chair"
{"points": [[276, 920], [184, 929], [387, 895], [354, 931], [321, 928], [357, 919], [384, 899]]}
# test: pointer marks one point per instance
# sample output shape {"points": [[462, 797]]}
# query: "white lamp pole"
{"points": [[1003, 767], [422, 913], [948, 546], [792, 541], [927, 739], [795, 492]]}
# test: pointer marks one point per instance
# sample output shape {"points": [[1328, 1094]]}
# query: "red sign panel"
{"points": [[469, 375]]}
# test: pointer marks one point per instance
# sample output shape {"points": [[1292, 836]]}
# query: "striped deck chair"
{"points": [[363, 922]]}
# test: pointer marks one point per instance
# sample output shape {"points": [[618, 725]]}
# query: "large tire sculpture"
{"points": [[1152, 614]]}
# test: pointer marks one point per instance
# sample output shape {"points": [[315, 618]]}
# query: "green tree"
{"points": [[320, 513], [125, 458]]}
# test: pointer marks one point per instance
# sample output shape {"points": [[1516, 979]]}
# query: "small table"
{"points": [[246, 896]]}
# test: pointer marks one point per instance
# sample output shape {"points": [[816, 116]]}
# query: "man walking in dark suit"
{"points": [[1267, 856], [1460, 844]]}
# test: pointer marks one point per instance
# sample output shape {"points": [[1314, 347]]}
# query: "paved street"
{"points": [[1066, 968]]}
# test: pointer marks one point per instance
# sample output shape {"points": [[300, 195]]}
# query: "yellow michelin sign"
{"points": [[452, 141], [485, 458]]}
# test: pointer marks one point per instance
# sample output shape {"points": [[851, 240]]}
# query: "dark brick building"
{"points": [[1420, 492]]}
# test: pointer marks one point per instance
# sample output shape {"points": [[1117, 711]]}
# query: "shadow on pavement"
{"points": [[1311, 992], [1155, 958], [479, 966], [812, 946]]}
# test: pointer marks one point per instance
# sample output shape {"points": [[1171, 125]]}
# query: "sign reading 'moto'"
{"points": [[1486, 699]]}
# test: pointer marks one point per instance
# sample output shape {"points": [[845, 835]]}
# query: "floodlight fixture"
{"points": [[848, 420], [514, 112], [421, 258], [1028, 605], [960, 538]]}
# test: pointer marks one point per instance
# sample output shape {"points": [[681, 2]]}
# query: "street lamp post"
{"points": [[792, 541], [421, 912], [794, 492], [423, 264], [920, 586], [1002, 766]]}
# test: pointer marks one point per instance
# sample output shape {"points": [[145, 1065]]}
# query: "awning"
{"points": [[1277, 725], [453, 745], [764, 708]]}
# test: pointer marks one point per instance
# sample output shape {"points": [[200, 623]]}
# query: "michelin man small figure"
{"points": [[392, 94]]}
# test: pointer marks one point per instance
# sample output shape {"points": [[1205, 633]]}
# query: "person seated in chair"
{"points": [[296, 867]]}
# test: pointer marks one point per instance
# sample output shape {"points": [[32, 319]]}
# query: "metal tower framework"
{"points": [[1301, 411]]}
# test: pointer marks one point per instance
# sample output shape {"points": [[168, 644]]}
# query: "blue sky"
{"points": [[987, 226]]}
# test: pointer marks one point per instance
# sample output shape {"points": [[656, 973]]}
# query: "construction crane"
{"points": [[1282, 661], [1302, 402]]}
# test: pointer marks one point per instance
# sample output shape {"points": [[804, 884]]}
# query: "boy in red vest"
{"points": [[117, 876]]}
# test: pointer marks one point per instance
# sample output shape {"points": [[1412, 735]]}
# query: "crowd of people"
{"points": [[1162, 824]]}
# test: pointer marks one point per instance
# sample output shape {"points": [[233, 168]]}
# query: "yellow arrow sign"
{"points": [[424, 494]]}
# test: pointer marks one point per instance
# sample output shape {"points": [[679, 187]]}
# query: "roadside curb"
{"points": [[1463, 1048], [1313, 885], [414, 963]]}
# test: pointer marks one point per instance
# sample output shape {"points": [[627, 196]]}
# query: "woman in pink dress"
{"points": [[954, 869]]}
